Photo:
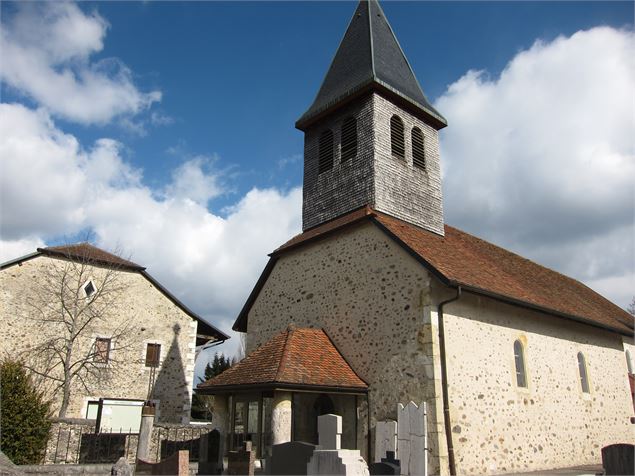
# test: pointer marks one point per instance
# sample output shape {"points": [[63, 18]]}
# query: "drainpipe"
{"points": [[444, 383]]}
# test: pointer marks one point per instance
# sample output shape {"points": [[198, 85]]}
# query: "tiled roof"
{"points": [[297, 357], [369, 58], [461, 259], [89, 253]]}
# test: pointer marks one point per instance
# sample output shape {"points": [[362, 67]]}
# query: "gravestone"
{"points": [[388, 465], [330, 432], [385, 439], [412, 439], [619, 459], [329, 458], [289, 458], [121, 468], [211, 454], [242, 462]]}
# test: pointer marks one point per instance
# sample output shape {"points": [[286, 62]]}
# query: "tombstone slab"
{"points": [[330, 432], [337, 462], [412, 439], [385, 439], [242, 462], [289, 458]]}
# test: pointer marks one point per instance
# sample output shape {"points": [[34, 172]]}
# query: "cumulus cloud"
{"points": [[541, 159], [51, 186], [46, 55]]}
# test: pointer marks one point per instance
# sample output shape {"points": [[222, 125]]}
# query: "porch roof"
{"points": [[298, 358]]}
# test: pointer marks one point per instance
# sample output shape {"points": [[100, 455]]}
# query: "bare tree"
{"points": [[631, 307], [80, 340]]}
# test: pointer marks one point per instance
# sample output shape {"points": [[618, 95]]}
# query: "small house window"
{"points": [[349, 139], [584, 378], [418, 151], [153, 355], [325, 152], [89, 289], [102, 350], [397, 142], [519, 359], [629, 362]]}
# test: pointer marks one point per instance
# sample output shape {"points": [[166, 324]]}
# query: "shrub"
{"points": [[24, 415]]}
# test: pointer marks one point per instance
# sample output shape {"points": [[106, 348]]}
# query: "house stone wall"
{"points": [[141, 313], [402, 190], [372, 299], [498, 427]]}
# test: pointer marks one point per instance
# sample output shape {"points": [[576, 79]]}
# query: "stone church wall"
{"points": [[498, 427], [373, 301], [145, 313]]}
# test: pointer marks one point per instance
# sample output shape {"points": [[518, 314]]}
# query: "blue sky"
{"points": [[193, 167]]}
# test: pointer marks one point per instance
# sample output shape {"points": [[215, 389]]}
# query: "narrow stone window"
{"points": [[629, 362], [584, 378], [519, 358], [418, 151], [349, 139], [397, 142], [153, 355], [325, 151], [102, 350]]}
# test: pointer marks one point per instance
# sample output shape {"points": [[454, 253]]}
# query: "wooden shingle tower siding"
{"points": [[370, 84]]}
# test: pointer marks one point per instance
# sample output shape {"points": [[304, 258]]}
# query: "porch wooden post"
{"points": [[281, 418]]}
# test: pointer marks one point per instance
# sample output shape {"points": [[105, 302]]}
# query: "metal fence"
{"points": [[69, 445], [170, 440]]}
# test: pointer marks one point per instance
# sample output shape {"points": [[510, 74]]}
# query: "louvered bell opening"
{"points": [[418, 151], [397, 143], [326, 151], [349, 139]]}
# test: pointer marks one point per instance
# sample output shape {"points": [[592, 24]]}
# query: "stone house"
{"points": [[379, 302], [137, 342]]}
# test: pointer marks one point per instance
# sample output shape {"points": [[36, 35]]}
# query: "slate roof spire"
{"points": [[369, 58]]}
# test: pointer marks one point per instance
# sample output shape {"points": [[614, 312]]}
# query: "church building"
{"points": [[379, 302]]}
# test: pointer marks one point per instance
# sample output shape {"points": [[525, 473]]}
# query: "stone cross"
{"points": [[330, 432], [385, 439]]}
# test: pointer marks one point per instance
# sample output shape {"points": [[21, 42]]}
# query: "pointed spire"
{"points": [[369, 58]]}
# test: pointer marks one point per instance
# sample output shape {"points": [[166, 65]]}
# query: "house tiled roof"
{"points": [[297, 357], [461, 259], [90, 254]]}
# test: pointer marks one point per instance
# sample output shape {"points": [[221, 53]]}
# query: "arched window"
{"points": [[349, 139], [519, 359], [325, 151], [418, 152], [629, 362], [584, 379], [397, 143]]}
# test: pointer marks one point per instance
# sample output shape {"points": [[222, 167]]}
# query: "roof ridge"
{"points": [[285, 351]]}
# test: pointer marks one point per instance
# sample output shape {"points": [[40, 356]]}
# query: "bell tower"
{"points": [[371, 136]]}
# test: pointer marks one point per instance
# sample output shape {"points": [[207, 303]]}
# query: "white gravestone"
{"points": [[329, 458], [330, 432], [385, 439], [412, 439]]}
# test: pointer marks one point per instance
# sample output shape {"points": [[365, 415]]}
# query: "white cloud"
{"points": [[51, 186], [46, 49], [542, 160], [11, 249]]}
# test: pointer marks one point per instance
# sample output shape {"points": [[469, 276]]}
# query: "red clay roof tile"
{"points": [[302, 357]]}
